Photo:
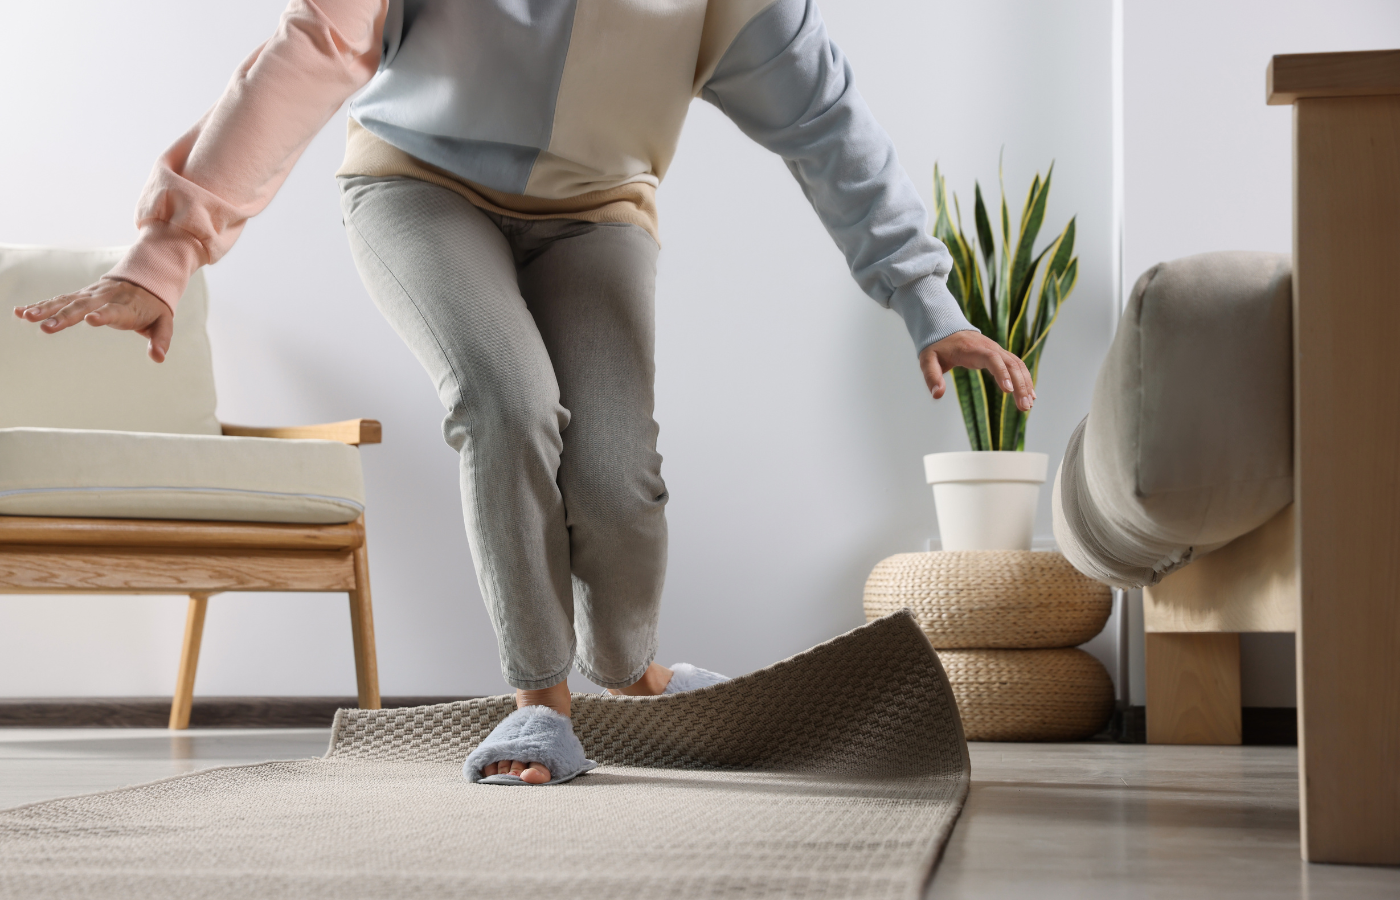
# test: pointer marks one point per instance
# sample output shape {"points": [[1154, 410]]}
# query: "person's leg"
{"points": [[591, 288], [444, 276]]}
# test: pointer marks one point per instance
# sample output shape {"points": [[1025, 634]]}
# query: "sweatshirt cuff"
{"points": [[161, 261], [929, 311]]}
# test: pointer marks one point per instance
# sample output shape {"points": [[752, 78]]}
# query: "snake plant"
{"points": [[995, 285]]}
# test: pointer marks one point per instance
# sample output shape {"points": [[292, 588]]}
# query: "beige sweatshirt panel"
{"points": [[623, 124], [632, 203]]}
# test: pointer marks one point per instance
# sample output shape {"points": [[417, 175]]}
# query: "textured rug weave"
{"points": [[836, 773]]}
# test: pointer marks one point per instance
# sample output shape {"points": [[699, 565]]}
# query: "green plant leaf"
{"points": [[1059, 291], [1030, 197], [1021, 333], [997, 301], [964, 280], [1013, 423], [1059, 261], [976, 305], [1001, 320], [1005, 216], [1037, 325], [1064, 250], [1020, 441], [979, 429], [1022, 273], [987, 245], [962, 383], [993, 401]]}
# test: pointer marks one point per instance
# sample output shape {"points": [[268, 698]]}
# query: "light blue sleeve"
{"points": [[787, 86]]}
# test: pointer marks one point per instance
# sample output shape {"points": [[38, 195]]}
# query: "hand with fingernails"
{"points": [[116, 304], [972, 350]]}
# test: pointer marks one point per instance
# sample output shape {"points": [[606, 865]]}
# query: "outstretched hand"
{"points": [[116, 304], [972, 350]]}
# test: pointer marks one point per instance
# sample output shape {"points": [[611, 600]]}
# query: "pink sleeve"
{"points": [[227, 168]]}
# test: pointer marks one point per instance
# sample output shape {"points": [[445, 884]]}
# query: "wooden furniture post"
{"points": [[1193, 619], [189, 662], [1193, 688], [1346, 323], [362, 631]]}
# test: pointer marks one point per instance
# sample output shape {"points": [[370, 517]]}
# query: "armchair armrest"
{"points": [[351, 431]]}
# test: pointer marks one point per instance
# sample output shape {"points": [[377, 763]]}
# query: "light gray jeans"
{"points": [[539, 336]]}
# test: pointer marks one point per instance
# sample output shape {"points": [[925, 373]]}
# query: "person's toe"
{"points": [[535, 774], [516, 767]]}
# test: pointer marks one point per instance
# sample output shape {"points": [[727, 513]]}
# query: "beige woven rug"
{"points": [[836, 773]]}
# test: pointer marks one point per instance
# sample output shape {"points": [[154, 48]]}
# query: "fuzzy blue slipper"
{"points": [[531, 734], [685, 677]]}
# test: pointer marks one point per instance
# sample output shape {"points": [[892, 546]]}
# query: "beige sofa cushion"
{"points": [[88, 377], [1189, 439], [119, 474]]}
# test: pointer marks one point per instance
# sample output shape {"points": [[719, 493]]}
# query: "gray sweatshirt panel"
{"points": [[787, 86]]}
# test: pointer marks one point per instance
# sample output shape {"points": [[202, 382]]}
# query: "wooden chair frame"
{"points": [[1328, 567], [200, 559]]}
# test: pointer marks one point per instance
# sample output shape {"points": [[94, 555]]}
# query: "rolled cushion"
{"points": [[1029, 695], [990, 598], [87, 377], [136, 475], [1188, 442]]}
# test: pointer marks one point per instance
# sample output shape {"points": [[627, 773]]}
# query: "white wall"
{"points": [[793, 416], [1208, 165]]}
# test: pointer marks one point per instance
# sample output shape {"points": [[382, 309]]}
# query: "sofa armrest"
{"points": [[351, 431]]}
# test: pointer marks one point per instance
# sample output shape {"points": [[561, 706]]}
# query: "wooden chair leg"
{"points": [[362, 629], [1193, 688], [189, 662]]}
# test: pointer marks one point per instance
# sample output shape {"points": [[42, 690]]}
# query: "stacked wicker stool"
{"points": [[1006, 624]]}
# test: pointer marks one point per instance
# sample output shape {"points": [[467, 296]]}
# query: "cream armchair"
{"points": [[116, 476]]}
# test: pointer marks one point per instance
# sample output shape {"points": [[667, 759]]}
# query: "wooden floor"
{"points": [[1043, 820]]}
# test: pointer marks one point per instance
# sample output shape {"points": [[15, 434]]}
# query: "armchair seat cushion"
{"points": [[142, 475]]}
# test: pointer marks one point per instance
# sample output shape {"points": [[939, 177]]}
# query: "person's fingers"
{"points": [[933, 377], [116, 314], [536, 774], [975, 351], [1030, 379], [36, 312], [997, 366], [1020, 380], [78, 306], [159, 333], [932, 368]]}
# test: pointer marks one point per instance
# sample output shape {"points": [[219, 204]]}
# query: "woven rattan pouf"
{"points": [[1005, 624]]}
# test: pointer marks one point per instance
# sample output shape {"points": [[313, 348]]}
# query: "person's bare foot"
{"points": [[652, 683], [529, 771]]}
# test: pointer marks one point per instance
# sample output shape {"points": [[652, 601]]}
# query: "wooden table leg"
{"points": [[189, 662]]}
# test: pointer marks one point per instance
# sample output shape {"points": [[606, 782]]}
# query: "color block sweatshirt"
{"points": [[546, 107]]}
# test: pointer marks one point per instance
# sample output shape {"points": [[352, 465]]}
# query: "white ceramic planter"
{"points": [[986, 499]]}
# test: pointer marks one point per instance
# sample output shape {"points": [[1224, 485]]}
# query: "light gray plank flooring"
{"points": [[1092, 821], [43, 763], [1046, 821]]}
